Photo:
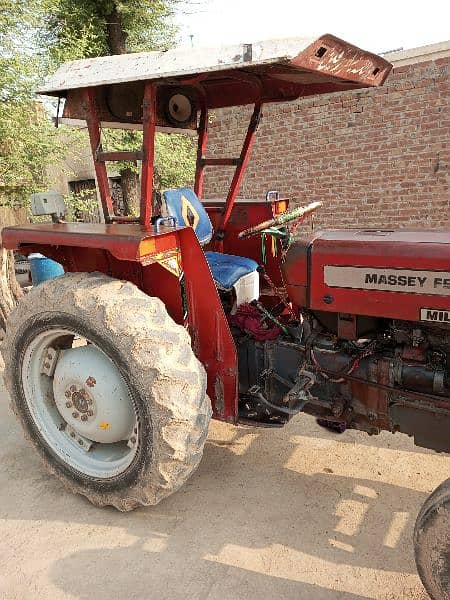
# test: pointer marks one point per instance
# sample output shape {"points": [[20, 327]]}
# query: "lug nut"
{"points": [[89, 400], [90, 413], [81, 442], [72, 434], [133, 440], [68, 394], [73, 388], [68, 404], [75, 415], [84, 417]]}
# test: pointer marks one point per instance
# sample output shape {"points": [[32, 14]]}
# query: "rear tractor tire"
{"points": [[107, 389], [432, 543]]}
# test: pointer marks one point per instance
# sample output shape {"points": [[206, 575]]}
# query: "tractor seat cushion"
{"points": [[227, 269]]}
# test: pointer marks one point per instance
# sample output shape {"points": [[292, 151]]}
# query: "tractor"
{"points": [[197, 308]]}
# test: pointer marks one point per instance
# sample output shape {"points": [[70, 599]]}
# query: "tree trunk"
{"points": [[10, 290], [130, 191], [117, 37], [117, 43]]}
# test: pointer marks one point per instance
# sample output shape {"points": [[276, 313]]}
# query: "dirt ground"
{"points": [[298, 513]]}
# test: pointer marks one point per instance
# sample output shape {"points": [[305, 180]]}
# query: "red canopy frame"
{"points": [[273, 71], [148, 156]]}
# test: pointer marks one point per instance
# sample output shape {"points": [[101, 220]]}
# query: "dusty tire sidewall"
{"points": [[432, 543], [59, 320]]}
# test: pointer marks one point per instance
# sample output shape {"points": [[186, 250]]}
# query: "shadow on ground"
{"points": [[218, 536]]}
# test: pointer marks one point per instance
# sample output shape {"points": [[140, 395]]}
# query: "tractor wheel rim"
{"points": [[80, 404]]}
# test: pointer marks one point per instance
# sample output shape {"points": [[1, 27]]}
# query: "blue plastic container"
{"points": [[43, 268]]}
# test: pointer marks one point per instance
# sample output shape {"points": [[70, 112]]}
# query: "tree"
{"points": [[28, 140], [74, 29], [36, 36], [88, 28]]}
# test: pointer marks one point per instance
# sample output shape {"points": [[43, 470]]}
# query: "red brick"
{"points": [[379, 171]]}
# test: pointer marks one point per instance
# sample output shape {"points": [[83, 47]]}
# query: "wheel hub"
{"points": [[79, 399], [91, 395]]}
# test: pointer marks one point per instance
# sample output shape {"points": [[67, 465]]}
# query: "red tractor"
{"points": [[115, 367]]}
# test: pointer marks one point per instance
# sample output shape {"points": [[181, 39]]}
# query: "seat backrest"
{"points": [[184, 205]]}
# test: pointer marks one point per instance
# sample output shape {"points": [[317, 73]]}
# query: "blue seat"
{"points": [[227, 269], [184, 205]]}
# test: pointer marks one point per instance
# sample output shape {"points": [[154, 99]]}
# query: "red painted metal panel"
{"points": [[415, 250], [211, 336], [332, 56], [157, 281], [122, 240], [149, 128]]}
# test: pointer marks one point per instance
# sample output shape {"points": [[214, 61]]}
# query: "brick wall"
{"points": [[376, 158]]}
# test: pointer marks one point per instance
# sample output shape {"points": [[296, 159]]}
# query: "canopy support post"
{"points": [[238, 174], [101, 173], [201, 149]]}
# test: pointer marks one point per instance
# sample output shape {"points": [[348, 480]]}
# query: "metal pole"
{"points": [[238, 174], [101, 173], [201, 149]]}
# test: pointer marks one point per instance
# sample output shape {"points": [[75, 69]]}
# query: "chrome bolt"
{"points": [[84, 417], [81, 442], [72, 434], [75, 415], [90, 413], [133, 440], [68, 394], [68, 404]]}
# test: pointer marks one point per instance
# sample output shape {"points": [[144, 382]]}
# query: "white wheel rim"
{"points": [[69, 438]]}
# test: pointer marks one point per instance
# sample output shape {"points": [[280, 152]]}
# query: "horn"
{"points": [[179, 107]]}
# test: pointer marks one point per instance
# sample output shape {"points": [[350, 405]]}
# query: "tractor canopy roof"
{"points": [[270, 71]]}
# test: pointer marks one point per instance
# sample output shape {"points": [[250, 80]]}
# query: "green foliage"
{"points": [[118, 139], [174, 160], [36, 36], [82, 28], [175, 155], [75, 29], [28, 140], [28, 144], [81, 206]]}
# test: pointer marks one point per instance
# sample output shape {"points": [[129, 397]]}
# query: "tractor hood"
{"points": [[382, 273]]}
